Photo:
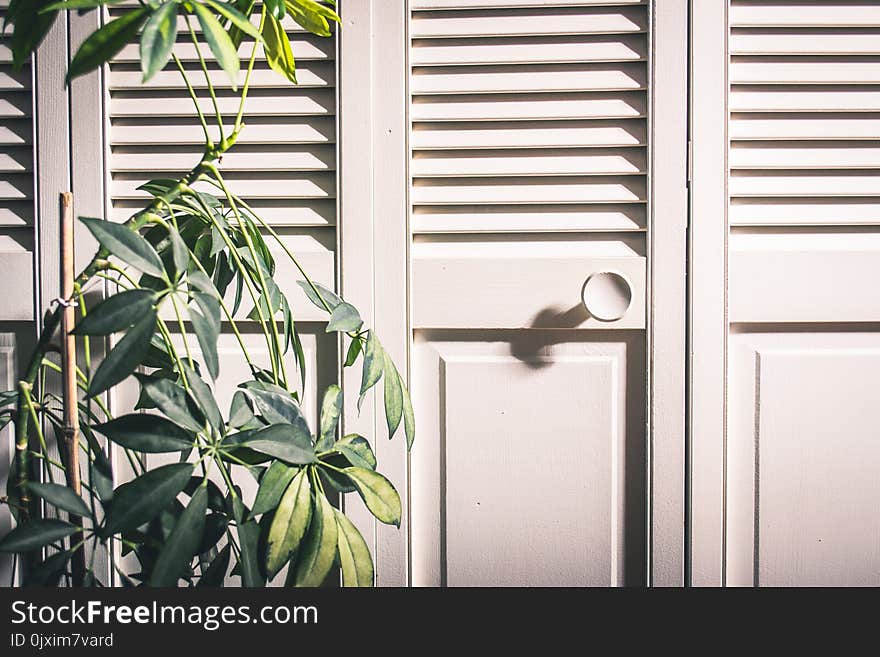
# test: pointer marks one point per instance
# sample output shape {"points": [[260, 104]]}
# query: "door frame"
{"points": [[667, 256], [707, 290]]}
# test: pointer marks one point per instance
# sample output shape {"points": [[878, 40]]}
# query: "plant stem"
{"points": [[209, 143], [204, 66], [242, 268], [228, 314], [247, 79], [39, 429], [276, 340]]}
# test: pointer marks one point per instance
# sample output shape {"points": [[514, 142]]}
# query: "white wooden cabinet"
{"points": [[459, 169]]}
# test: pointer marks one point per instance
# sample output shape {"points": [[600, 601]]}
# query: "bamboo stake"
{"points": [[68, 366]]}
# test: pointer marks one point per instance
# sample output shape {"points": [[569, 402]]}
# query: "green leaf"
{"points": [[311, 16], [328, 296], [150, 434], [206, 325], [179, 253], [8, 397], [273, 483], [374, 365], [235, 17], [78, 4], [318, 547], [173, 401], [157, 40], [125, 356], [35, 534], [354, 350], [344, 318], [202, 283], [103, 44], [393, 397], [62, 497], [409, 418], [281, 441], [289, 523], [218, 40], [216, 572], [312, 7], [176, 555], [240, 413], [117, 313], [248, 540], [356, 449], [126, 245], [204, 398], [102, 472], [354, 555], [276, 8], [276, 405], [215, 529], [277, 46], [331, 409], [141, 499], [48, 572], [378, 494]]}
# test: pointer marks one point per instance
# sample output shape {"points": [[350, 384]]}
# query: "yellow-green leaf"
{"points": [[378, 494], [277, 46], [290, 523], [393, 396], [331, 409], [355, 560], [319, 546]]}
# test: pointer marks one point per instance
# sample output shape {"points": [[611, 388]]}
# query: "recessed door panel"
{"points": [[529, 470], [802, 461]]}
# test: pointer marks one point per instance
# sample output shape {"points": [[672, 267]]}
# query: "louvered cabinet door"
{"points": [[17, 192], [803, 350], [528, 177], [283, 165]]}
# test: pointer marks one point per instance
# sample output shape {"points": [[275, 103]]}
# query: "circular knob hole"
{"points": [[607, 295]]}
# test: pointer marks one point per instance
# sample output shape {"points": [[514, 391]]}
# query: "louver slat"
{"points": [[805, 122], [528, 117]]}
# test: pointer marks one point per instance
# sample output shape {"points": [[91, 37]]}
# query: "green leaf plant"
{"points": [[196, 258]]}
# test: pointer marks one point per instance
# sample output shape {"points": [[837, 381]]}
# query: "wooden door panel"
{"points": [[531, 458], [802, 459]]}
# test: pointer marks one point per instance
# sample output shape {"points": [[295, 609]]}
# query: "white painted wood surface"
{"points": [[666, 294], [803, 493], [794, 501], [707, 276], [529, 468], [507, 490]]}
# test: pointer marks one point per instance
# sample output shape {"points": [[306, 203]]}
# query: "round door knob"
{"points": [[607, 295]]}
